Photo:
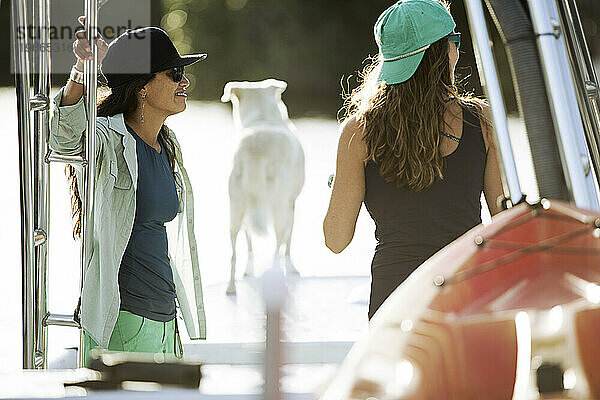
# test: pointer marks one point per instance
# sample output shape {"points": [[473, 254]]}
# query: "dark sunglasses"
{"points": [[177, 74], [455, 37]]}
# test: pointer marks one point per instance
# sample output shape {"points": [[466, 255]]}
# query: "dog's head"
{"points": [[237, 89], [255, 102]]}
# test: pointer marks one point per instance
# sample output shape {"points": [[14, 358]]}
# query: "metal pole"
{"points": [[274, 294], [489, 81], [563, 103], [21, 66], [586, 82], [89, 173], [576, 28], [60, 320], [41, 173]]}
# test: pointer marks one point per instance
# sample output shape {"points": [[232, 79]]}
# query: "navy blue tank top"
{"points": [[145, 277], [412, 226]]}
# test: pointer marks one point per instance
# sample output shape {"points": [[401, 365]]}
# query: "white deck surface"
{"points": [[318, 309], [322, 319]]}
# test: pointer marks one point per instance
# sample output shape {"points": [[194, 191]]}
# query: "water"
{"points": [[208, 141]]}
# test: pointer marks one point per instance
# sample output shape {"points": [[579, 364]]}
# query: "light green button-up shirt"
{"points": [[114, 212]]}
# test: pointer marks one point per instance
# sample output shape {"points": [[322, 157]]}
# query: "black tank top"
{"points": [[412, 226]]}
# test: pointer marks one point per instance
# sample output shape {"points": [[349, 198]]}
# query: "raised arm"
{"points": [[69, 119], [67, 125], [348, 188]]}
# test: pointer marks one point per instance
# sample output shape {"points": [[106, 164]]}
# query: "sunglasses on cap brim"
{"points": [[454, 37]]}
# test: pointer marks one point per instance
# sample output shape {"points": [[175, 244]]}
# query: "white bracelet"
{"points": [[76, 75]]}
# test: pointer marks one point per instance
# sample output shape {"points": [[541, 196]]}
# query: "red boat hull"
{"points": [[486, 311]]}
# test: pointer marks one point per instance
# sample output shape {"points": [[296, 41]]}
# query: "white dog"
{"points": [[268, 169]]}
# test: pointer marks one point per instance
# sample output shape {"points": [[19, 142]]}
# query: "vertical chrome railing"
{"points": [[560, 88], [584, 77], [34, 159], [491, 86], [89, 172], [21, 68], [33, 132], [41, 172], [90, 82]]}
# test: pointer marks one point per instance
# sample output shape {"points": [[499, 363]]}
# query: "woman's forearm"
{"points": [[69, 119], [73, 90]]}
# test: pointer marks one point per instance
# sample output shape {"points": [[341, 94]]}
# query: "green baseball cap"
{"points": [[404, 31]]}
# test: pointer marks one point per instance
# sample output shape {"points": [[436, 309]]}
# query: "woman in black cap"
{"points": [[144, 263]]}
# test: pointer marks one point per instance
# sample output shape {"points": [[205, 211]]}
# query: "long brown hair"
{"points": [[121, 99], [401, 122]]}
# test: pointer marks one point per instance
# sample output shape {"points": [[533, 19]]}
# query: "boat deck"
{"points": [[322, 319]]}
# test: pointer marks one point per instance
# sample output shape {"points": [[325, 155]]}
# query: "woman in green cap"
{"points": [[413, 147], [143, 265]]}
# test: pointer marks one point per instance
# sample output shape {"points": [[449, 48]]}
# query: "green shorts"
{"points": [[141, 335]]}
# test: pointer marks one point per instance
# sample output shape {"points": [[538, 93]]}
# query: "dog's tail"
{"points": [[257, 218], [257, 183]]}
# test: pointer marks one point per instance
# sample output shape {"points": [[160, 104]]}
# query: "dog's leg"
{"points": [[234, 229], [279, 232], [277, 253], [276, 259], [250, 261], [283, 224], [290, 269], [231, 286]]}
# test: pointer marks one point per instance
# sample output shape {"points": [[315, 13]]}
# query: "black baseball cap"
{"points": [[142, 51]]}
